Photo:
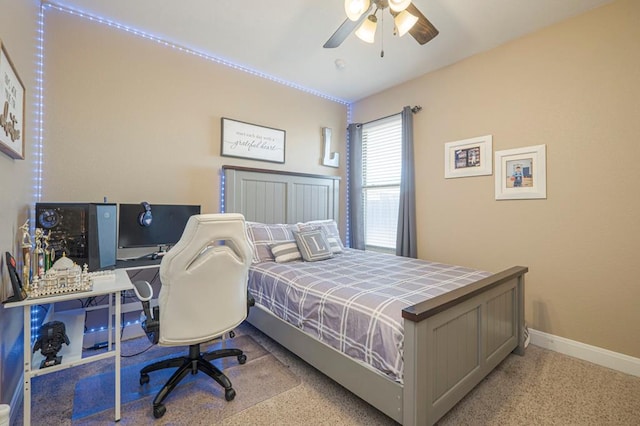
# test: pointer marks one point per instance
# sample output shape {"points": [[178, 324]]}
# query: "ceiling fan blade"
{"points": [[423, 30], [345, 29]]}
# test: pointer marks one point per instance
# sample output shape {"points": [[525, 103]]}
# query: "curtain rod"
{"points": [[415, 109]]}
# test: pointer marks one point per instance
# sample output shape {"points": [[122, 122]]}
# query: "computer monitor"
{"points": [[164, 229]]}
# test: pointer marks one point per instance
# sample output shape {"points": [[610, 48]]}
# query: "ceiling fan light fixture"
{"points": [[355, 8], [404, 22], [367, 30], [399, 5]]}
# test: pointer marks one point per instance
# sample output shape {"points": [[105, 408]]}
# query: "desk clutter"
{"points": [[66, 277], [74, 244], [42, 275]]}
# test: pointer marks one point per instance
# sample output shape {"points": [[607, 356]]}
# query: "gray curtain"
{"points": [[356, 208], [406, 243]]}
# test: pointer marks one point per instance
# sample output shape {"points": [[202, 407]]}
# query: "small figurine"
{"points": [[51, 336], [26, 238]]}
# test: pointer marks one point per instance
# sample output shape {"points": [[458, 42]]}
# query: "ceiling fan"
{"points": [[361, 14]]}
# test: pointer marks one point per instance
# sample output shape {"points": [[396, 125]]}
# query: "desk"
{"points": [[111, 286]]}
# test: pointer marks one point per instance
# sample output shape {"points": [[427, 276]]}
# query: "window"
{"points": [[381, 170]]}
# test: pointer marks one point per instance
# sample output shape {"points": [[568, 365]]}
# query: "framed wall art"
{"points": [[468, 157], [521, 173], [245, 140], [12, 107]]}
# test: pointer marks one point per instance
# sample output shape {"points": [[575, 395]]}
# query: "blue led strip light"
{"points": [[222, 189], [37, 144], [39, 110], [202, 55]]}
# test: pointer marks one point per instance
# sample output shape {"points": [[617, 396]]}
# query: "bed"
{"points": [[450, 339]]}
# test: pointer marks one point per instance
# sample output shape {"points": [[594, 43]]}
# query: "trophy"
{"points": [[26, 255], [38, 254], [49, 253]]}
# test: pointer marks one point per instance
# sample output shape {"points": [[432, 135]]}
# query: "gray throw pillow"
{"points": [[313, 245]]}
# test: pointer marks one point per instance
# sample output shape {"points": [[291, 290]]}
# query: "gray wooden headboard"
{"points": [[270, 196]]}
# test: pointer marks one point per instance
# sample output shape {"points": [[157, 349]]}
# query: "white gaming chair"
{"points": [[203, 296]]}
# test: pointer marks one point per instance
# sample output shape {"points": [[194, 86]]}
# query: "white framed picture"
{"points": [[468, 157], [246, 140], [521, 173]]}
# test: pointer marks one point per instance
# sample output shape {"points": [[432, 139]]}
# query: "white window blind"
{"points": [[382, 167]]}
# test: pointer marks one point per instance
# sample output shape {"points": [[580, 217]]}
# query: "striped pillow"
{"points": [[285, 251], [334, 245]]}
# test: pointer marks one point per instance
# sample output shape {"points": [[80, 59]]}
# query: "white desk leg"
{"points": [[27, 366], [117, 354]]}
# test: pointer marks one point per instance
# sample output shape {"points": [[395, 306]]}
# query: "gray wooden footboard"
{"points": [[451, 343]]}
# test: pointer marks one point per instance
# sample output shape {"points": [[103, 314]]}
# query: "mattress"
{"points": [[353, 302]]}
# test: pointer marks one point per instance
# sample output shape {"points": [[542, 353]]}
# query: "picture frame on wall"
{"points": [[251, 141], [12, 108], [521, 173], [468, 157]]}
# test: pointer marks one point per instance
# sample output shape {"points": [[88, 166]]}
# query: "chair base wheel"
{"points": [[242, 358], [229, 394], [159, 410]]}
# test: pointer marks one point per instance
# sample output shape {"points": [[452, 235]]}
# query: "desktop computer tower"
{"points": [[84, 232]]}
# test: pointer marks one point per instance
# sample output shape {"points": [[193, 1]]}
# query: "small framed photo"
{"points": [[246, 140], [468, 157], [521, 173]]}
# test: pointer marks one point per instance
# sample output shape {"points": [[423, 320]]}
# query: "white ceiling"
{"points": [[284, 38]]}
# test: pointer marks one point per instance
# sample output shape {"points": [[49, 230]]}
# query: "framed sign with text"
{"points": [[245, 140], [12, 96]]}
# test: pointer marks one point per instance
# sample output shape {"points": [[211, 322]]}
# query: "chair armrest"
{"points": [[143, 290], [150, 322]]}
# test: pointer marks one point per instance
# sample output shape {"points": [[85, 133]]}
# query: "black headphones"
{"points": [[145, 218]]}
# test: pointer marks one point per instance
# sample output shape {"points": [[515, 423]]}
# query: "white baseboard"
{"points": [[606, 358]]}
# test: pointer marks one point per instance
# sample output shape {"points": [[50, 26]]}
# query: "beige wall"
{"points": [[133, 120], [575, 87], [18, 32]]}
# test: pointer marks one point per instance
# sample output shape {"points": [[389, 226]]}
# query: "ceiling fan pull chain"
{"points": [[382, 36]]}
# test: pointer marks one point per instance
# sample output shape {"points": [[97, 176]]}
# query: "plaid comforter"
{"points": [[353, 301]]}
